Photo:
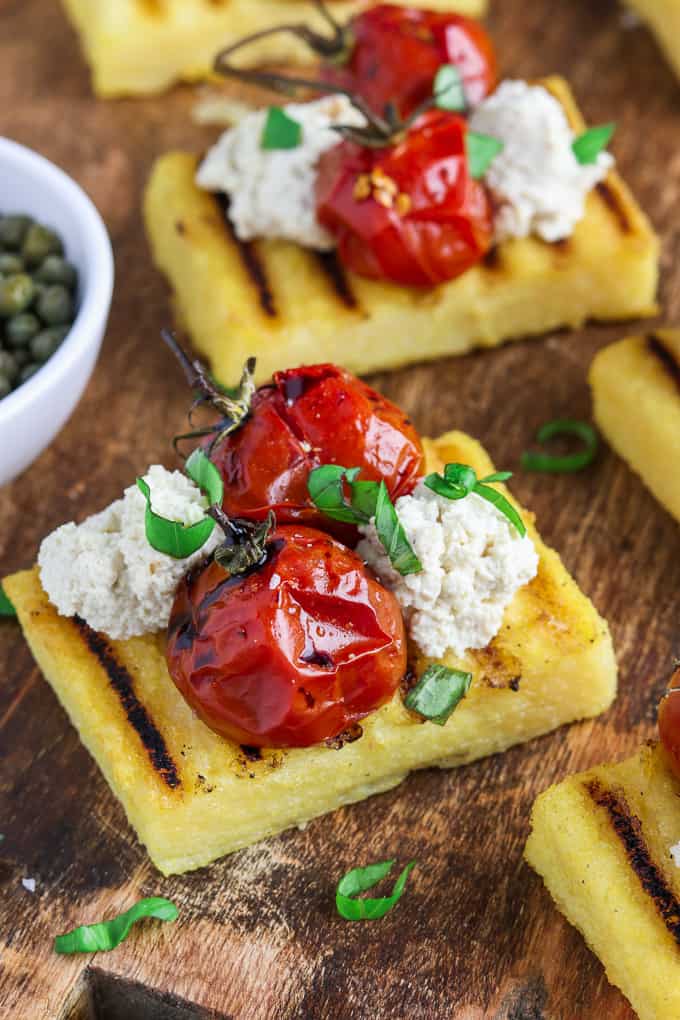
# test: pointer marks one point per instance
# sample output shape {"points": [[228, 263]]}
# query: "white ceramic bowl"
{"points": [[32, 415]]}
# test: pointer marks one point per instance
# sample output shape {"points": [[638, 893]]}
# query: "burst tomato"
{"points": [[409, 213], [317, 414], [292, 652], [395, 53], [669, 721]]}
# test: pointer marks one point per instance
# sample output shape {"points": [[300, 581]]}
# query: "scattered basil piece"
{"points": [[95, 938], [438, 692], [176, 539], [6, 607], [481, 152], [568, 463], [459, 480], [448, 90], [280, 131], [360, 880], [588, 146], [368, 500]]}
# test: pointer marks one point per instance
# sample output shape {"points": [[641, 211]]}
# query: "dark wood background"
{"points": [[476, 936]]}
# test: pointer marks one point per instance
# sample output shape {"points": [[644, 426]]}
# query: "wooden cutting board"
{"points": [[476, 936]]}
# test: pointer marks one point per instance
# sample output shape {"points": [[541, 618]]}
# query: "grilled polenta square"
{"points": [[289, 305], [601, 842], [193, 796], [663, 18], [638, 379], [136, 47]]}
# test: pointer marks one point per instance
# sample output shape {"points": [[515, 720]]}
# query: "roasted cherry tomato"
{"points": [[669, 721], [395, 53], [410, 213], [292, 652], [317, 414]]}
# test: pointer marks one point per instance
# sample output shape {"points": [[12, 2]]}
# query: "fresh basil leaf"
{"points": [[96, 938], [499, 476], [326, 489], [6, 607], [588, 146], [443, 488], [462, 475], [481, 152], [501, 503], [365, 498], [280, 130], [438, 692], [172, 537], [567, 464], [448, 90], [393, 537], [360, 880], [459, 480]]}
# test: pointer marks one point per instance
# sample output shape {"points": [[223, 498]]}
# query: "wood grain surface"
{"points": [[476, 936]]}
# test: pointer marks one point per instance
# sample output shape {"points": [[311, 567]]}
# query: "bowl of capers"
{"points": [[56, 282]]}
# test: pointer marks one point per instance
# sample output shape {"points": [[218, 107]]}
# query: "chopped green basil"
{"points": [[172, 537], [6, 607], [588, 146], [360, 880], [567, 464], [368, 500], [459, 480], [280, 131], [438, 692], [448, 90], [95, 938], [481, 151]]}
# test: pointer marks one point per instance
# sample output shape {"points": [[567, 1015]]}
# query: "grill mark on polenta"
{"points": [[666, 357], [492, 258], [613, 202], [334, 271], [137, 715], [251, 261], [628, 828]]}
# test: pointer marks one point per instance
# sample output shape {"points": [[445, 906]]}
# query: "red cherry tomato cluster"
{"points": [[396, 52], [410, 213]]}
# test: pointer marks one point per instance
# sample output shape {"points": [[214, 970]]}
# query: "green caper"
{"points": [[56, 269], [27, 371], [21, 329], [55, 305], [16, 293], [5, 386], [13, 230], [38, 243], [10, 263], [8, 366], [45, 343]]}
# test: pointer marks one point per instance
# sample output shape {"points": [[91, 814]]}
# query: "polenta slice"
{"points": [[636, 397], [601, 842], [289, 305], [193, 796], [663, 18], [143, 46]]}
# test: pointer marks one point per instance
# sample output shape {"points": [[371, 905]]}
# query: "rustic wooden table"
{"points": [[477, 936]]}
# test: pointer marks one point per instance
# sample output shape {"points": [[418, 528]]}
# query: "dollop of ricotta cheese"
{"points": [[537, 183], [271, 191], [105, 571], [473, 559]]}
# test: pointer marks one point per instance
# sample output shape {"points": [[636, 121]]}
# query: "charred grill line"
{"points": [[628, 828], [137, 715], [251, 262], [613, 202], [334, 271], [666, 357]]}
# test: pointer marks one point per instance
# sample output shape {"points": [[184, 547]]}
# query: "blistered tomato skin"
{"points": [[669, 722], [396, 53], [293, 652], [317, 414]]}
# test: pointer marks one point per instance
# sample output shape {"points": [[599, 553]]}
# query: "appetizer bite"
{"points": [[641, 376], [136, 47], [319, 604], [419, 209], [607, 845]]}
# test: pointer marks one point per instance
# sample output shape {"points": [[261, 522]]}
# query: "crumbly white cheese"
{"points": [[473, 559], [537, 184], [105, 571], [271, 191], [675, 854]]}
